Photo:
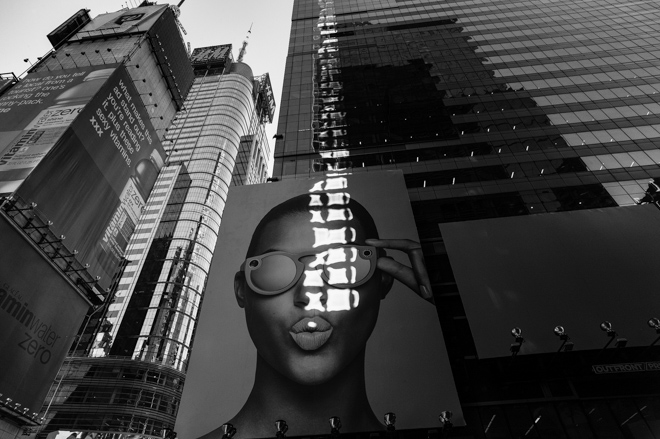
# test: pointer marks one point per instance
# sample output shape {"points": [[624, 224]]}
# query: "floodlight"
{"points": [[227, 430], [611, 333], [335, 424], [445, 419], [655, 324], [563, 336], [282, 428], [390, 420], [517, 333]]}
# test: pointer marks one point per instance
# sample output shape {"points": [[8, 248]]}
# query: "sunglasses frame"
{"points": [[300, 267]]}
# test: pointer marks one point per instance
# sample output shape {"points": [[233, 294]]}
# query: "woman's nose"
{"points": [[310, 291], [313, 293]]}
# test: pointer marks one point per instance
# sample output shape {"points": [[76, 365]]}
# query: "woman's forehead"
{"points": [[302, 232]]}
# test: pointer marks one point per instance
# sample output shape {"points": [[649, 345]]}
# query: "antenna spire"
{"points": [[241, 54]]}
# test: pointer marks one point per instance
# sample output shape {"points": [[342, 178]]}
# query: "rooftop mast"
{"points": [[241, 54]]}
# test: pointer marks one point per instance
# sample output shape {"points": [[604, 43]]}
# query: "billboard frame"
{"points": [[24, 218]]}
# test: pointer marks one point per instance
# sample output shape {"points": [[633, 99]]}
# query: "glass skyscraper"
{"points": [[491, 109], [514, 108]]}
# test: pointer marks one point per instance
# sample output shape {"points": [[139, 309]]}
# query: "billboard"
{"points": [[211, 55], [124, 21], [34, 114], [85, 434], [571, 269], [305, 318], [94, 183], [6, 81], [40, 313], [172, 56], [59, 36]]}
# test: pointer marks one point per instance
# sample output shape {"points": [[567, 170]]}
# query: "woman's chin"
{"points": [[312, 371], [314, 377]]}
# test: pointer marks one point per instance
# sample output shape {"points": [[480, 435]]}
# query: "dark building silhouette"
{"points": [[495, 110]]}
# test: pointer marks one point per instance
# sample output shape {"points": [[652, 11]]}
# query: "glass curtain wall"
{"points": [[491, 108]]}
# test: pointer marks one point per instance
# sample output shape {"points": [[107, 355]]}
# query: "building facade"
{"points": [[126, 368], [126, 75], [145, 39], [127, 371], [491, 109]]}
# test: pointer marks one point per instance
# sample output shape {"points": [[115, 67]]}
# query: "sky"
{"points": [[24, 25]]}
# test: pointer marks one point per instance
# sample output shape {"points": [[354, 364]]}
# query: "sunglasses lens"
{"points": [[347, 266], [274, 273]]}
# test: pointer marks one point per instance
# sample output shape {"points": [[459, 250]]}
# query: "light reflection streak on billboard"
{"points": [[338, 299], [329, 124]]}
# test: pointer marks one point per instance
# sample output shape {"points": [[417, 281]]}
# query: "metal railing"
{"points": [[37, 229]]}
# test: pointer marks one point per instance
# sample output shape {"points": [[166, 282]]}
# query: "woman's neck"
{"points": [[305, 408]]}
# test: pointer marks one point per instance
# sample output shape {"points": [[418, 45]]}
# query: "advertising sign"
{"points": [[307, 315], [67, 434], [94, 184], [571, 269], [35, 113], [647, 366], [124, 21], [173, 56], [6, 83], [40, 313], [211, 54]]}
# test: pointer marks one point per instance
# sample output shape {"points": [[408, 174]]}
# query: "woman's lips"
{"points": [[311, 333]]}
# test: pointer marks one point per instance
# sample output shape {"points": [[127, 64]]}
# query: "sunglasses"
{"points": [[344, 266]]}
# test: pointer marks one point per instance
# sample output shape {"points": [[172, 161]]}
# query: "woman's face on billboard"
{"points": [[311, 330]]}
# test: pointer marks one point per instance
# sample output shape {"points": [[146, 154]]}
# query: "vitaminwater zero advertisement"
{"points": [[40, 313], [94, 183], [317, 305]]}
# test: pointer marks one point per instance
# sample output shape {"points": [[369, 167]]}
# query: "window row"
{"points": [[618, 135], [597, 78], [597, 95], [608, 63], [604, 114]]}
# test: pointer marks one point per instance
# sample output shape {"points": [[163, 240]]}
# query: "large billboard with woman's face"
{"points": [[318, 305]]}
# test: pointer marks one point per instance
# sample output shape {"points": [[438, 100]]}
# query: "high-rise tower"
{"points": [[80, 141], [141, 341], [492, 109], [126, 368]]}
